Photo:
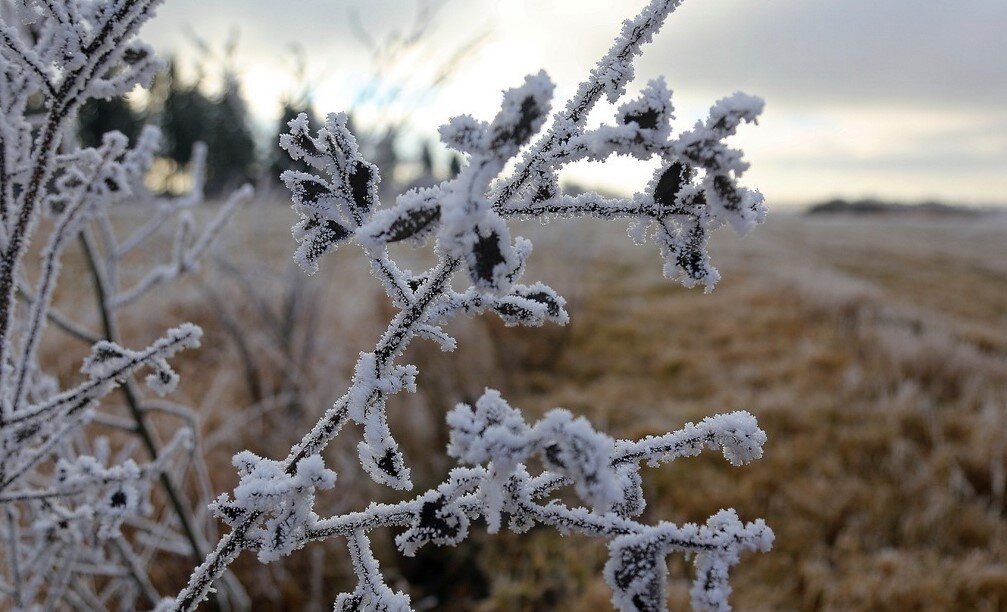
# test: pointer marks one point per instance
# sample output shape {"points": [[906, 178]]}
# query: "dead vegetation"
{"points": [[872, 351]]}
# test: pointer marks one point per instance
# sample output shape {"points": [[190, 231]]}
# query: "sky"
{"points": [[896, 99]]}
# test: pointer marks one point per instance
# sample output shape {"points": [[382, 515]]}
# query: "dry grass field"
{"points": [[873, 351]]}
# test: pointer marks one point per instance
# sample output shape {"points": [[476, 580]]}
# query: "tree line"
{"points": [[186, 114]]}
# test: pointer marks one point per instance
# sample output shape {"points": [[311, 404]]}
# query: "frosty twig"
{"points": [[66, 495], [695, 191]]}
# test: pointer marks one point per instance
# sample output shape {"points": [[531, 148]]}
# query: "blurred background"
{"points": [[865, 324], [898, 101]]}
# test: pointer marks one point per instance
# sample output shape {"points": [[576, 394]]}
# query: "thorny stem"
{"points": [[110, 330], [62, 103], [231, 326], [4, 198], [50, 271], [16, 239], [135, 570], [393, 341], [60, 320], [14, 556]]}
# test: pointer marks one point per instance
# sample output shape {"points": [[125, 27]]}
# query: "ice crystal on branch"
{"points": [[287, 499], [331, 210], [371, 593], [637, 570]]}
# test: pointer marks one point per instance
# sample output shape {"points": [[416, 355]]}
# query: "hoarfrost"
{"points": [[512, 469]]}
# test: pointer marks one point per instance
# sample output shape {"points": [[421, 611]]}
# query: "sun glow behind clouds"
{"points": [[852, 106]]}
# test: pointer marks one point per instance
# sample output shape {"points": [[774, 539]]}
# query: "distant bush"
{"points": [[873, 207]]}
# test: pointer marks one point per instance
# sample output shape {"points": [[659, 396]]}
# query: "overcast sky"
{"points": [[893, 98]]}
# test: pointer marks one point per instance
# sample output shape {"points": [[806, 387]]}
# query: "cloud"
{"points": [[887, 97], [849, 53]]}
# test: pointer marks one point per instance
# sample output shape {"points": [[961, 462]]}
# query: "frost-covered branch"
{"points": [[56, 484], [603, 471], [694, 192], [187, 251], [70, 65], [48, 421]]}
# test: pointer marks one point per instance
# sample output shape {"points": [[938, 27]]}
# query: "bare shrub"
{"points": [[79, 522]]}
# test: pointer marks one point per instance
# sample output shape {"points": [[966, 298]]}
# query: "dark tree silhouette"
{"points": [[232, 158], [188, 116], [98, 116], [279, 161]]}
